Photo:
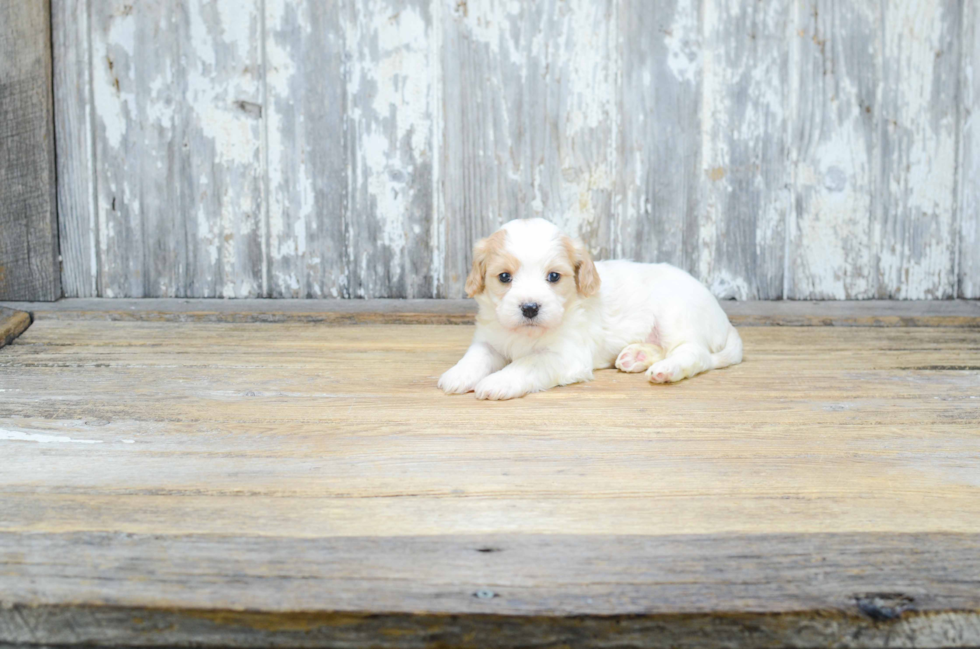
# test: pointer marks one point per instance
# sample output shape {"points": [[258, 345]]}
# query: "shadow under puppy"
{"points": [[550, 316]]}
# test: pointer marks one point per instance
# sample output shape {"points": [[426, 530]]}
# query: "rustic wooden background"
{"points": [[806, 149]]}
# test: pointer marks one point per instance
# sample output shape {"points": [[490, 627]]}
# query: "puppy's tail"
{"points": [[732, 353]]}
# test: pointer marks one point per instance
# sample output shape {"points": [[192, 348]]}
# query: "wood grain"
{"points": [[917, 131], [660, 168], [849, 430], [301, 485], [968, 165], [745, 169], [177, 98], [74, 136], [864, 313], [29, 267], [811, 150], [688, 591], [305, 121], [391, 147], [835, 150], [12, 324]]}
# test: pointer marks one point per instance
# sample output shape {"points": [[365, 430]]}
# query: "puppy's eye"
{"points": [[504, 278], [554, 277]]}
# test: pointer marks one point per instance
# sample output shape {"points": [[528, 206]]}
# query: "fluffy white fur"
{"points": [[637, 317]]}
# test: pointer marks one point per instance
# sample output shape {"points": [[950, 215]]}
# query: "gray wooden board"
{"points": [[306, 134], [29, 267], [849, 590], [917, 131], [179, 205], [390, 147], [954, 313], [830, 238], [660, 168], [358, 149], [77, 176], [745, 163], [968, 169], [12, 324]]}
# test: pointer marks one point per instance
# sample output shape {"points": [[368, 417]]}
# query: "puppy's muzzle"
{"points": [[530, 310]]}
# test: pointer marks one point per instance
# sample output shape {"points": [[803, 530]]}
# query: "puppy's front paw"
{"points": [[497, 388], [459, 379]]}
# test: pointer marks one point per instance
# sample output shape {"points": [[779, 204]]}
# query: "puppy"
{"points": [[550, 316]]}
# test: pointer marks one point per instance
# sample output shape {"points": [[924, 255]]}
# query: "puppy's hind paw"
{"points": [[637, 357], [666, 371]]}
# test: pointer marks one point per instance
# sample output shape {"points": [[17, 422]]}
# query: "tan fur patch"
{"points": [[485, 252], [586, 276]]}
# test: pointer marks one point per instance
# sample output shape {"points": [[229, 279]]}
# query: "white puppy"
{"points": [[549, 316]]}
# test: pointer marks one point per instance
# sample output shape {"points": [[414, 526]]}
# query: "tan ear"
{"points": [[482, 251], [586, 276]]}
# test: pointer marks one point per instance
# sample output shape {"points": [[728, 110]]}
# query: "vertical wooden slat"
{"points": [[968, 172], [745, 171], [660, 137], [77, 167], [531, 115], [305, 95], [133, 67], [221, 167], [390, 147], [831, 248], [29, 266], [570, 116], [177, 91], [483, 131], [918, 115]]}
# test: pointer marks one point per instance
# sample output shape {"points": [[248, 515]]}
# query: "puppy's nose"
{"points": [[529, 309]]}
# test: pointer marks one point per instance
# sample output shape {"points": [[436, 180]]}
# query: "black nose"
{"points": [[529, 309]]}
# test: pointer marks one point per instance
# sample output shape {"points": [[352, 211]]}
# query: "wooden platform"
{"points": [[301, 484]]}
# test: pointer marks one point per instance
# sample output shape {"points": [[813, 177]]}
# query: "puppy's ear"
{"points": [[482, 251], [586, 276]]}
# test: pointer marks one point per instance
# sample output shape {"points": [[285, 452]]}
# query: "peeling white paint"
{"points": [[915, 258], [390, 106], [544, 136], [683, 41]]}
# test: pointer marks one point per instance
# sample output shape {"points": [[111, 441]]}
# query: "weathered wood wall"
{"points": [[356, 148], [28, 228]]}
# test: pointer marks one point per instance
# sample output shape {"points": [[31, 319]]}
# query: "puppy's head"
{"points": [[531, 273]]}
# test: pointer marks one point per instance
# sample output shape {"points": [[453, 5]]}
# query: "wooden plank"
{"points": [[12, 324], [968, 164], [290, 430], [29, 264], [657, 593], [835, 150], [305, 117], [745, 170], [865, 313], [178, 97], [660, 149], [130, 48], [74, 139], [530, 122], [295, 485], [917, 131], [391, 67]]}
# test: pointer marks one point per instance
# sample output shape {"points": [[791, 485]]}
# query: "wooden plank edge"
{"points": [[64, 626], [12, 324], [877, 313]]}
